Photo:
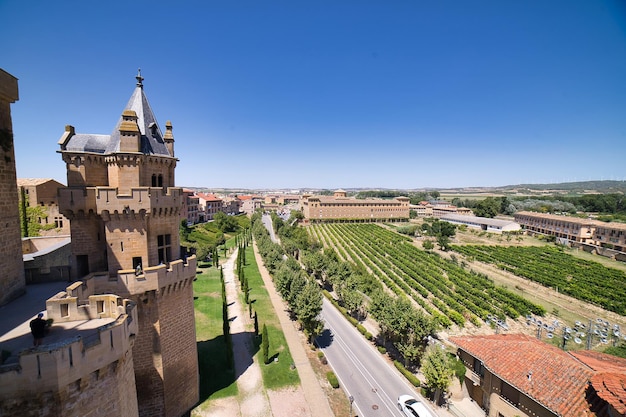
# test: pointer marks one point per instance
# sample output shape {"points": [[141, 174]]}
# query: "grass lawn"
{"points": [[276, 374], [216, 380]]}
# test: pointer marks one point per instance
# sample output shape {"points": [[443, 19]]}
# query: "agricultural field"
{"points": [[461, 291], [444, 290]]}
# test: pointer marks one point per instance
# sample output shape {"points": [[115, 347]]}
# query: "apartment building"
{"points": [[604, 235], [210, 204], [191, 210]]}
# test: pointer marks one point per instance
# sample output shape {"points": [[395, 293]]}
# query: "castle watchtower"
{"points": [[124, 212]]}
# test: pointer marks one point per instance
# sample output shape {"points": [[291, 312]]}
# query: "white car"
{"points": [[412, 407]]}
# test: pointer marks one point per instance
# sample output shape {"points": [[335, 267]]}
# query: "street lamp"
{"points": [[351, 398]]}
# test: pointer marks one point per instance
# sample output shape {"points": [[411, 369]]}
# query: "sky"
{"points": [[402, 94]]}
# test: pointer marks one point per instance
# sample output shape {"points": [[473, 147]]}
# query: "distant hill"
{"points": [[580, 186], [569, 188]]}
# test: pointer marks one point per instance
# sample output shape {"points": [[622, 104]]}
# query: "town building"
{"points": [[122, 340], [43, 192], [250, 203], [210, 204], [340, 207], [191, 209], [608, 239], [231, 205], [517, 375], [12, 282]]}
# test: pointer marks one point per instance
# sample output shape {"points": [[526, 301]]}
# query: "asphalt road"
{"points": [[363, 374], [360, 368]]}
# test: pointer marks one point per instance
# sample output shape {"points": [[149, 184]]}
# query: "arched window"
{"points": [[154, 180]]}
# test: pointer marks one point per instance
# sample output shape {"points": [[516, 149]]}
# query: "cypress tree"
{"points": [[256, 323], [265, 345]]}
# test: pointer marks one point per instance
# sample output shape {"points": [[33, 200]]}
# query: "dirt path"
{"points": [[253, 399]]}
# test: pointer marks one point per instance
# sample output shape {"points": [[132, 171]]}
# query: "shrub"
{"points": [[407, 374], [382, 349], [332, 379]]}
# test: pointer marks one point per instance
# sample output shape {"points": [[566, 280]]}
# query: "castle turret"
{"points": [[130, 135], [169, 137], [124, 219]]}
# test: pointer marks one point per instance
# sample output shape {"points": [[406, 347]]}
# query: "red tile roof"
{"points": [[209, 197], [549, 375], [609, 382]]}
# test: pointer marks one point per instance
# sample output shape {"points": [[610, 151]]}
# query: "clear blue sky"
{"points": [[329, 94]]}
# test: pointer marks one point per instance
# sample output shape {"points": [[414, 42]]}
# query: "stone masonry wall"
{"points": [[165, 352], [179, 349], [83, 397], [147, 357], [12, 282]]}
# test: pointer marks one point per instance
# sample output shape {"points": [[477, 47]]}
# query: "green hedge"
{"points": [[408, 375]]}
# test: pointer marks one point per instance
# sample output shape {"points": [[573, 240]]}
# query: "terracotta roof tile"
{"points": [[552, 377]]}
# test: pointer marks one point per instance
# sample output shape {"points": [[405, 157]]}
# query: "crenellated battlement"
{"points": [[108, 201], [85, 350], [160, 278]]}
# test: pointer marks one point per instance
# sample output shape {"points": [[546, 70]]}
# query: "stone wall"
{"points": [[12, 282], [165, 352], [91, 375]]}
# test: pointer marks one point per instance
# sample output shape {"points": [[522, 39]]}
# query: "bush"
{"points": [[382, 349], [407, 374], [332, 379]]}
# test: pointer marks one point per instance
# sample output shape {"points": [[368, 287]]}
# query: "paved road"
{"points": [[362, 372], [361, 369]]}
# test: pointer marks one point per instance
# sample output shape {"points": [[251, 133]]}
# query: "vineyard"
{"points": [[443, 289], [584, 280]]}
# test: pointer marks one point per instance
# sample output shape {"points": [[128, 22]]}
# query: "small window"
{"points": [[65, 310], [100, 306]]}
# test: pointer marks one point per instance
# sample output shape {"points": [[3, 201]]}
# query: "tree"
{"points": [[265, 345], [225, 223], [437, 370], [410, 351], [489, 207], [428, 245], [307, 307]]}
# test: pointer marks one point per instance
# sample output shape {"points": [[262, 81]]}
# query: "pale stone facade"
{"points": [[340, 207], [12, 282]]}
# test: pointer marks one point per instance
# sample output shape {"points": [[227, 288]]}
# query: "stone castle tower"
{"points": [[12, 282], [124, 212]]}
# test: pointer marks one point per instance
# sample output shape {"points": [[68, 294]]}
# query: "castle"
{"points": [[132, 293]]}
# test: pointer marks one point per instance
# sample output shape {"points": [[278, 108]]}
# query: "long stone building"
{"points": [[584, 232], [122, 340], [320, 208]]}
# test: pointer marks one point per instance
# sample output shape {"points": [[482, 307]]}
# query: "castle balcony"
{"points": [[158, 278], [82, 339], [107, 201]]}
